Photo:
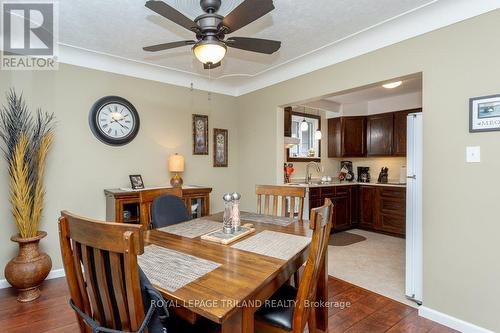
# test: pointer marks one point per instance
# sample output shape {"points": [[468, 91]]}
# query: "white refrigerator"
{"points": [[414, 252]]}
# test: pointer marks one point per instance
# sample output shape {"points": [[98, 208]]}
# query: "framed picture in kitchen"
{"points": [[220, 147], [200, 134], [484, 114]]}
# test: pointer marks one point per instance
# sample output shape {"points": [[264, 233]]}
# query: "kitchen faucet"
{"points": [[317, 167]]}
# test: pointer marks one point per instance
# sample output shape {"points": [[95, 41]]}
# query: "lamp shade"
{"points": [[176, 163], [209, 51]]}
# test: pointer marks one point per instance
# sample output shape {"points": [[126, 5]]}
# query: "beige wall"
{"points": [[461, 222], [80, 166]]}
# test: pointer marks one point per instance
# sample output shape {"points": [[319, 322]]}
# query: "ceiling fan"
{"points": [[211, 29]]}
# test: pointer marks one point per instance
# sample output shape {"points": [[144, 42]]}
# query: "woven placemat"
{"points": [[261, 218], [274, 244], [172, 270], [192, 229]]}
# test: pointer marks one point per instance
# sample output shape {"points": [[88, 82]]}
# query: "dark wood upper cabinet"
{"points": [[288, 121], [399, 141], [379, 134], [346, 137]]}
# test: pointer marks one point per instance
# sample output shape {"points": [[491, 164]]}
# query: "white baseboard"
{"points": [[449, 321], [55, 273]]}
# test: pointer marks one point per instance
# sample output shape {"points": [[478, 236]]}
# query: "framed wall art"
{"points": [[220, 147], [484, 114], [200, 134]]}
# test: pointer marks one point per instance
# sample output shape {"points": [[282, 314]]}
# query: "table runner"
{"points": [[172, 270], [192, 229], [274, 244], [261, 218]]}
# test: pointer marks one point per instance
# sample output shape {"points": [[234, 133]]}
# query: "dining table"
{"points": [[231, 294]]}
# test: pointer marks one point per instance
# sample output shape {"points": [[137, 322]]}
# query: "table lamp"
{"points": [[176, 165]]}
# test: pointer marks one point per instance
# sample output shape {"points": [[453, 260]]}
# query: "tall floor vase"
{"points": [[29, 268]]}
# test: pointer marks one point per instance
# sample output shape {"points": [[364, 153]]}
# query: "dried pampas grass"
{"points": [[26, 143]]}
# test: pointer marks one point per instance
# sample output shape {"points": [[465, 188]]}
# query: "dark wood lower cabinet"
{"points": [[375, 208], [366, 201]]}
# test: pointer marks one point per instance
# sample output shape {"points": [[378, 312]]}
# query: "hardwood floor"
{"points": [[367, 312]]}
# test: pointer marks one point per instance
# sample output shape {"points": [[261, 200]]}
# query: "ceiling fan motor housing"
{"points": [[210, 6]]}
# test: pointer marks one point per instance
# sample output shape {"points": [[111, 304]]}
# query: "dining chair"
{"points": [[108, 290], [290, 310], [146, 199], [266, 193], [168, 210]]}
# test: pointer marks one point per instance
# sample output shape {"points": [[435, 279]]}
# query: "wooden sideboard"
{"points": [[119, 201]]}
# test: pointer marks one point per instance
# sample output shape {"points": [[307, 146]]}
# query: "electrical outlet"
{"points": [[473, 154]]}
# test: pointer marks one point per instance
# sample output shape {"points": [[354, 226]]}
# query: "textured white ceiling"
{"points": [[365, 94], [122, 27]]}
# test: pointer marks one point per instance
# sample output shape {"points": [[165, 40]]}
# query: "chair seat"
{"points": [[278, 311]]}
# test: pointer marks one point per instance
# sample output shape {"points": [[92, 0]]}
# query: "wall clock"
{"points": [[114, 120]]}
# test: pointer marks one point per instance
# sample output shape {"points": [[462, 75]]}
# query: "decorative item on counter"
{"points": [[347, 165], [176, 165], [364, 174], [383, 177], [227, 223], [326, 179], [236, 221], [288, 171]]}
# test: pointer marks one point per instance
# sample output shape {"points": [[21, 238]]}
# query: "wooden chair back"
{"points": [[146, 200], [266, 193], [100, 261], [321, 224]]}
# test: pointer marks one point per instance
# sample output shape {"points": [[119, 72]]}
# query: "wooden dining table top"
{"points": [[241, 277]]}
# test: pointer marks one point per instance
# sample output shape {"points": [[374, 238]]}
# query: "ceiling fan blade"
{"points": [[266, 46], [166, 46], [171, 13], [247, 12], [210, 66]]}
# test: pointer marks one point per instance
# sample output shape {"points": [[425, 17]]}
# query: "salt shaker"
{"points": [[236, 222], [228, 212]]}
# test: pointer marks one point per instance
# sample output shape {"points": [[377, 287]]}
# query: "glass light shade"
{"points": [[209, 52], [392, 85], [304, 126], [176, 163], [318, 135]]}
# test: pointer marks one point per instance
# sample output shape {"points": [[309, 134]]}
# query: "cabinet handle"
{"points": [[412, 177]]}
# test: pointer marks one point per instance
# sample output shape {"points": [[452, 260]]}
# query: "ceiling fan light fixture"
{"points": [[392, 85], [211, 51]]}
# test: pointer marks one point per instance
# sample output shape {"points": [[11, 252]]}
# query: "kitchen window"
{"points": [[304, 127]]}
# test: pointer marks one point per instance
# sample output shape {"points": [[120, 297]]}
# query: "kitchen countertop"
{"points": [[338, 183]]}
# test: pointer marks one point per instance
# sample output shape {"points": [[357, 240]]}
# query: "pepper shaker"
{"points": [[227, 227], [236, 222]]}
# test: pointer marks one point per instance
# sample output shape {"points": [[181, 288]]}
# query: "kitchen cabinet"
{"points": [[342, 208], [399, 140], [341, 198], [366, 210], [288, 121], [346, 137], [375, 208], [379, 134], [392, 210]]}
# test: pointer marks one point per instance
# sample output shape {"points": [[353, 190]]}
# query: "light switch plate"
{"points": [[474, 154]]}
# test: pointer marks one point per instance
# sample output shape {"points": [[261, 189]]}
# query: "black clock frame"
{"points": [[101, 103]]}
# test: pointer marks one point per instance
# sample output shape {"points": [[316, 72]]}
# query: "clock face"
{"points": [[114, 120]]}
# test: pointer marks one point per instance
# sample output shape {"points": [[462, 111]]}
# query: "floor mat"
{"points": [[345, 238]]}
